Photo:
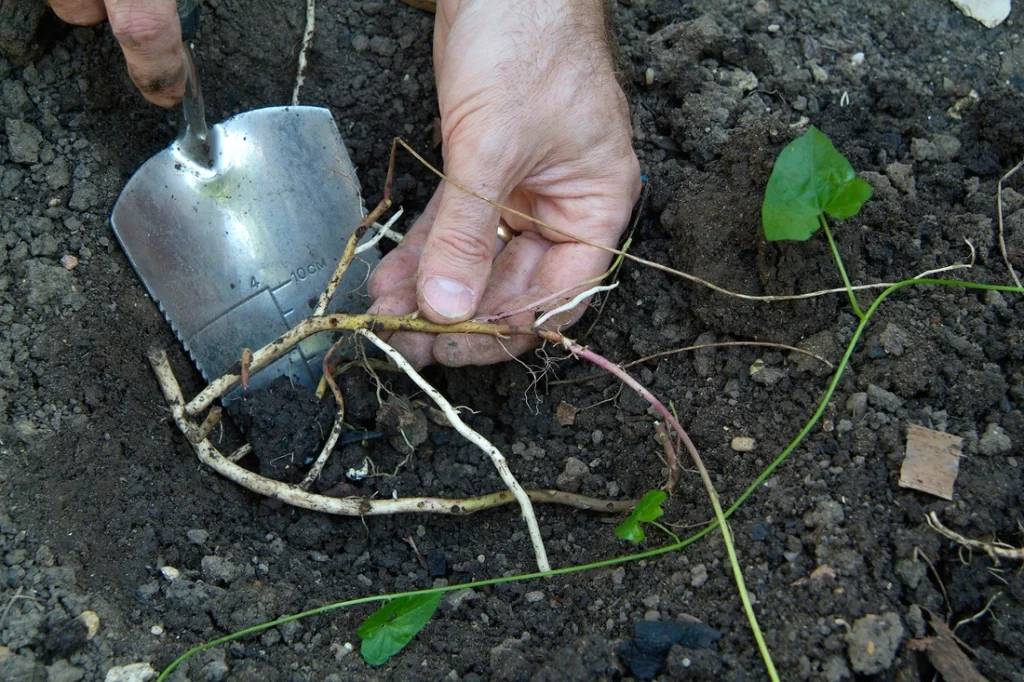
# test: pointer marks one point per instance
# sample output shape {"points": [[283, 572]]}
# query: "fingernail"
{"points": [[449, 298]]}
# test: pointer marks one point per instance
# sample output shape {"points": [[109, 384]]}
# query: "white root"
{"points": [[996, 550], [476, 439], [383, 231], [307, 40], [579, 298], [209, 455], [325, 452]]}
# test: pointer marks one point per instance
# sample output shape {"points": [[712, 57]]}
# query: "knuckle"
{"points": [[138, 28], [462, 246]]}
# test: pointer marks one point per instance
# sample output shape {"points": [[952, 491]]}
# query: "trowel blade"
{"points": [[238, 252]]}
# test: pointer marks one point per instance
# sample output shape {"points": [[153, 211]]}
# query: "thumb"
{"points": [[457, 257], [150, 36]]}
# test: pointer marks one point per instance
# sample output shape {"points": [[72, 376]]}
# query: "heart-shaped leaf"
{"points": [[810, 178]]}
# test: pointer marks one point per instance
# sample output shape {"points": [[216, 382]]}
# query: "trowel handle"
{"points": [[188, 15], [193, 133]]}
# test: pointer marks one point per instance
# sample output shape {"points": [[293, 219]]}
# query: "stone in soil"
{"points": [[24, 140], [19, 21], [133, 672], [571, 478], [995, 441], [873, 641]]}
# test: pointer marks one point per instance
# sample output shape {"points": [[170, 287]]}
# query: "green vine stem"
{"points": [[648, 554], [842, 270]]}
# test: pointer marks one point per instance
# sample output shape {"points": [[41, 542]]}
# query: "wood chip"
{"points": [[565, 414], [932, 461]]}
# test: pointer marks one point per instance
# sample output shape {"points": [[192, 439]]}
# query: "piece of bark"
{"points": [[565, 414], [946, 653], [932, 461]]}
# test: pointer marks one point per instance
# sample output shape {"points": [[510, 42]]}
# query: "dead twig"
{"points": [[616, 269], [999, 209], [15, 597], [919, 554], [979, 614], [350, 248]]}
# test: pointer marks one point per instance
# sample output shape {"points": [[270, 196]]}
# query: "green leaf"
{"points": [[810, 178], [387, 631], [647, 509]]}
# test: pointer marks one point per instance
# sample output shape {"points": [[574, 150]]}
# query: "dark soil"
{"points": [[100, 492]]}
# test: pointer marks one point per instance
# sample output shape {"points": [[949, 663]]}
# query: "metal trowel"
{"points": [[236, 229]]}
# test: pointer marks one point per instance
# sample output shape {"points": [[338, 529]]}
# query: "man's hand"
{"points": [[150, 36], [532, 117]]}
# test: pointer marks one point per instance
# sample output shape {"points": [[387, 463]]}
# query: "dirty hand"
{"points": [[532, 117], [150, 36]]}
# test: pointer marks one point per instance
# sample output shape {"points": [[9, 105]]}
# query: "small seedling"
{"points": [[390, 628], [810, 179], [647, 510]]}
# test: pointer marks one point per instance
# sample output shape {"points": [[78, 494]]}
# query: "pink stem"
{"points": [[624, 376]]}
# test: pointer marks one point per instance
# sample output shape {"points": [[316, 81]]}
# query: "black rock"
{"points": [[645, 654], [437, 565], [66, 638]]}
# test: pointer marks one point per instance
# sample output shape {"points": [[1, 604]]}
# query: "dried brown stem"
{"points": [[350, 248]]}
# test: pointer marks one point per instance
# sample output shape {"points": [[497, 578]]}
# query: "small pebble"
{"points": [[68, 261], [857, 59], [618, 575], [197, 536], [649, 76], [774, 28], [534, 597], [156, 630], [743, 444], [91, 621], [133, 672], [698, 575], [170, 573]]}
